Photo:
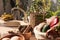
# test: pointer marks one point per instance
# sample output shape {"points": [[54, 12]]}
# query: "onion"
{"points": [[6, 39], [15, 38]]}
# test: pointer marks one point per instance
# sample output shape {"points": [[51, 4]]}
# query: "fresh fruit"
{"points": [[7, 16]]}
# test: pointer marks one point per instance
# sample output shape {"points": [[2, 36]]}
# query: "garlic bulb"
{"points": [[15, 38], [6, 39]]}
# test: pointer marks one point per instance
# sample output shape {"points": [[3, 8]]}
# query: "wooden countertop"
{"points": [[21, 22], [4, 30]]}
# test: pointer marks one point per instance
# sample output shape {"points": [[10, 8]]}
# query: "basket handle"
{"points": [[20, 9]]}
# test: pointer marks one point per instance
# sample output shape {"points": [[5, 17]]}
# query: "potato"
{"points": [[15, 38], [6, 39]]}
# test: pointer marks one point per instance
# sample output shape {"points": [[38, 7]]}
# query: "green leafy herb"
{"points": [[57, 28]]}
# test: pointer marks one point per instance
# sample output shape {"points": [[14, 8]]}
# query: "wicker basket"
{"points": [[18, 13], [39, 35], [27, 35], [9, 36], [51, 35]]}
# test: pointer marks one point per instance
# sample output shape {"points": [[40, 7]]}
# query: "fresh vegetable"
{"points": [[6, 39], [45, 28], [15, 38], [57, 28], [54, 21]]}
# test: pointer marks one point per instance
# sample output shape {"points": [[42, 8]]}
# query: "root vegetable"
{"points": [[15, 38], [6, 39]]}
